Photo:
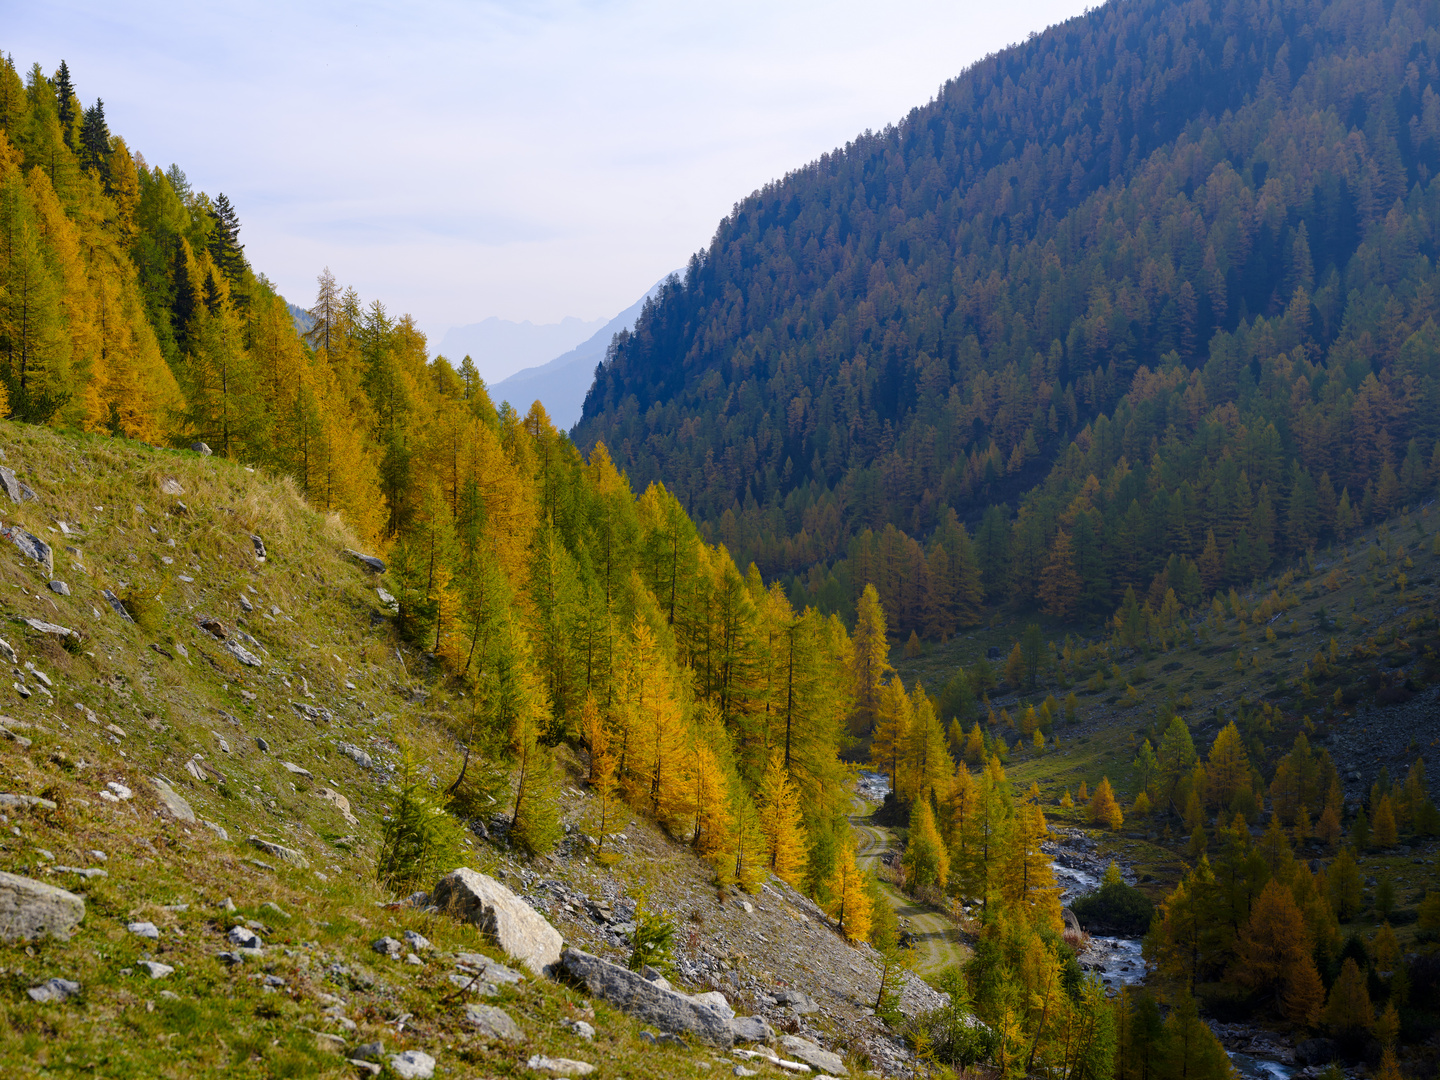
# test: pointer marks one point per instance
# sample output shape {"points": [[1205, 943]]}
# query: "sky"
{"points": [[461, 160]]}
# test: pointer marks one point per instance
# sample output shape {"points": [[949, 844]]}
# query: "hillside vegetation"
{"points": [[1149, 294]]}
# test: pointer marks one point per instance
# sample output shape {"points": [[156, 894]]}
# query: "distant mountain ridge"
{"points": [[501, 347], [561, 384]]}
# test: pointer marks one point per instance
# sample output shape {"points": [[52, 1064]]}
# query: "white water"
{"points": [[1254, 1068]]}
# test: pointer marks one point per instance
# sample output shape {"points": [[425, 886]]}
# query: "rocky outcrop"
{"points": [[31, 909], [284, 854], [637, 996], [370, 562], [502, 916], [32, 547], [16, 488]]}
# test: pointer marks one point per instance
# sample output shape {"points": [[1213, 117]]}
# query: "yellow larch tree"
{"points": [[926, 861], [850, 906], [870, 660], [1104, 810], [781, 822]]}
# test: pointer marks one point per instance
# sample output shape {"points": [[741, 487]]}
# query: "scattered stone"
{"points": [[18, 740], [43, 627], [581, 1028], [201, 449], [355, 754], [144, 929], [797, 1000], [244, 655], [751, 1029], [60, 588], [639, 997], [245, 938], [156, 969], [31, 909], [388, 600], [245, 603], [274, 981], [491, 970], [812, 1054], [418, 942], [85, 872], [171, 486], [741, 1070], [7, 652], [119, 733], [16, 488], [116, 605], [15, 802], [291, 767], [374, 565], [498, 913], [326, 1041], [259, 547], [274, 909], [31, 546], [215, 628], [229, 959], [493, 1023], [560, 1066], [341, 803], [284, 854], [262, 744], [312, 712], [388, 946], [370, 1068], [119, 790], [54, 990], [172, 802], [412, 1065]]}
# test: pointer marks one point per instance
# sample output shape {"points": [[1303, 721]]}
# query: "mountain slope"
{"points": [[1153, 235], [501, 347], [561, 384]]}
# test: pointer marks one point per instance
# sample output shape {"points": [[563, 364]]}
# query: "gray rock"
{"points": [[244, 655], [144, 929], [259, 546], [201, 449], [312, 712], [371, 1051], [218, 830], [370, 562], [171, 486], [581, 1028], [16, 488], [229, 959], [245, 938], [16, 802], [717, 1000], [275, 909], [156, 969], [490, 970], [116, 605], [262, 744], [388, 946], [298, 770], [44, 627], [493, 1023], [8, 652], [412, 1065], [798, 1000], [54, 990], [811, 1054], [355, 754], [245, 603], [32, 547], [284, 854], [418, 942], [501, 915], [751, 1029], [560, 1066], [60, 588], [171, 801], [642, 999], [31, 909]]}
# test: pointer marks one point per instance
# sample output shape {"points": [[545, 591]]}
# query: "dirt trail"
{"points": [[937, 940]]}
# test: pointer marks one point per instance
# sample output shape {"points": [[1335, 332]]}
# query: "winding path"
{"points": [[938, 944]]}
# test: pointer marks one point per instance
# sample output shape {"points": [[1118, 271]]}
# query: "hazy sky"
{"points": [[526, 160]]}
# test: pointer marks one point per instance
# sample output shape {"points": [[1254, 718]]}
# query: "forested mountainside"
{"points": [[1148, 300]]}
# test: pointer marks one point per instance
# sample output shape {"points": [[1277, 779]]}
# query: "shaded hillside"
{"points": [[1186, 250]]}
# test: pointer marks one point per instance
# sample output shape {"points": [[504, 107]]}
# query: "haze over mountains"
{"points": [[561, 384], [501, 347]]}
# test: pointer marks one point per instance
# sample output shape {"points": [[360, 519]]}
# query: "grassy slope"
{"points": [[327, 636], [1354, 585]]}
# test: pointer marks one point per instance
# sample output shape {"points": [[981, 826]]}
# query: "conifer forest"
{"points": [[1013, 537]]}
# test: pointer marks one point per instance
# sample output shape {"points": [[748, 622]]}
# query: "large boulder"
{"points": [[31, 909], [502, 916], [637, 996], [172, 801], [812, 1054]]}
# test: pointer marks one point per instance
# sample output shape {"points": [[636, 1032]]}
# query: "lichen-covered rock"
{"points": [[31, 909], [172, 801], [512, 923]]}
